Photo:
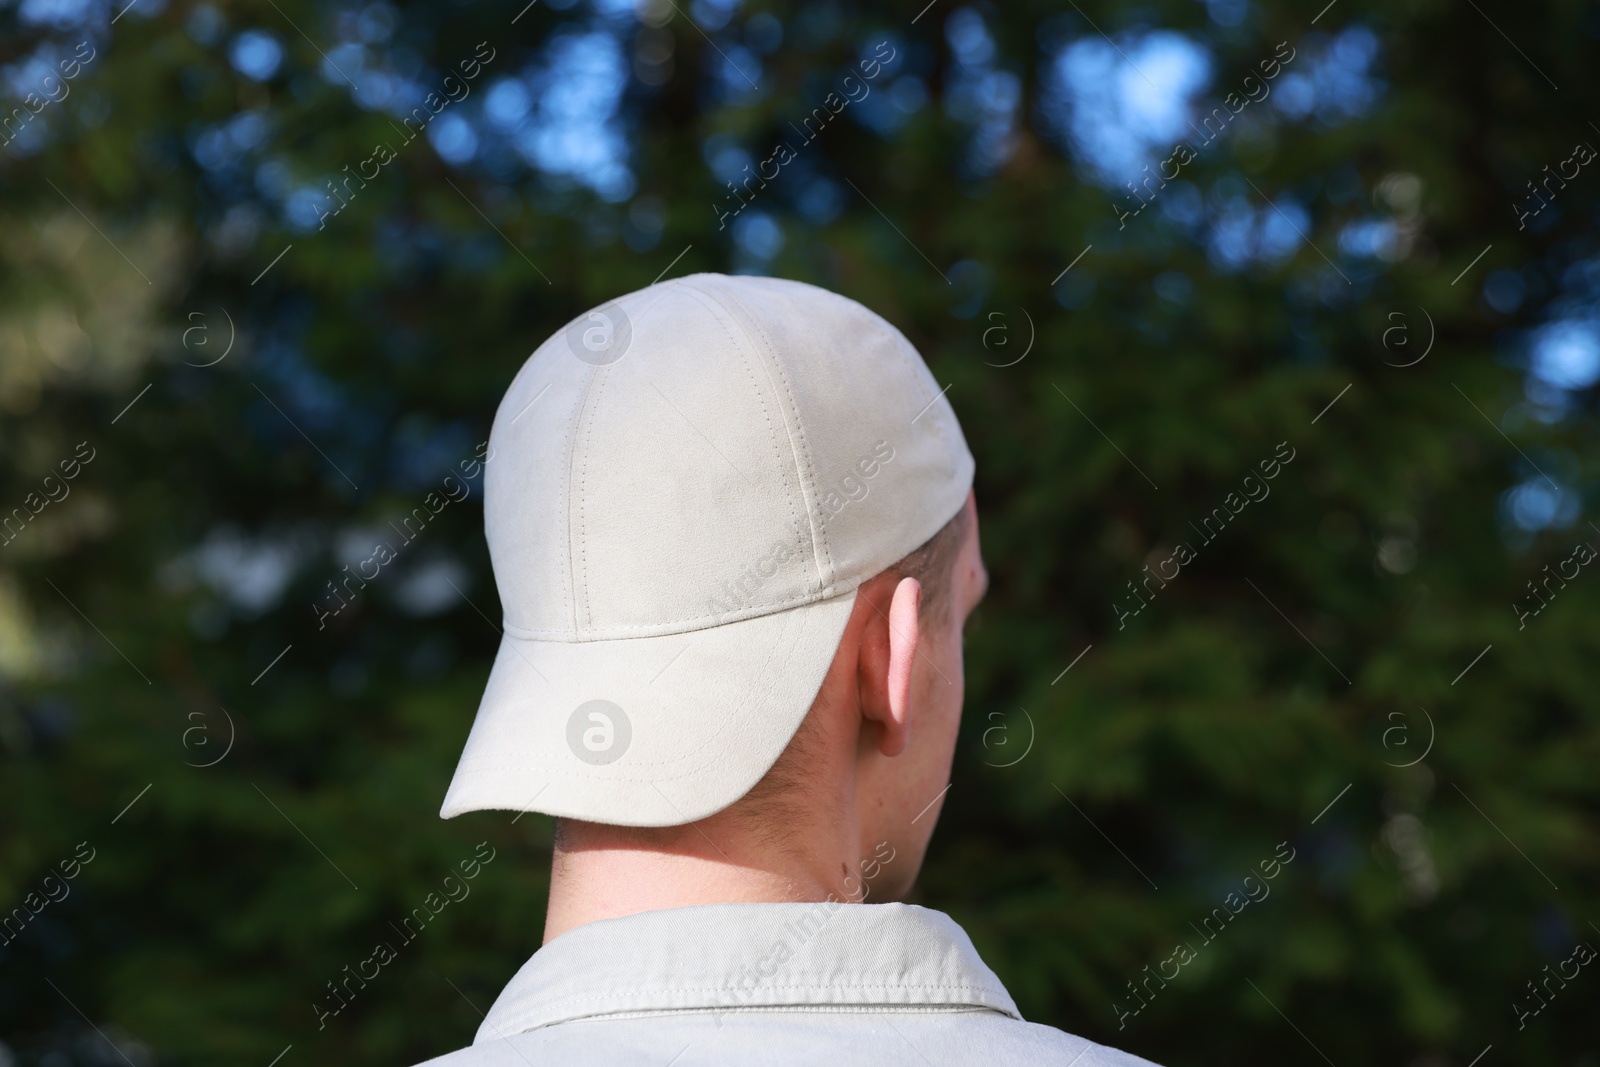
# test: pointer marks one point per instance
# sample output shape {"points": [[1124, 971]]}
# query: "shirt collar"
{"points": [[730, 956]]}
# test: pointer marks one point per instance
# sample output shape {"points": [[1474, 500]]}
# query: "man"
{"points": [[732, 526]]}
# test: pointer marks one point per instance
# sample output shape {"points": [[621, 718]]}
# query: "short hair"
{"points": [[932, 564], [770, 804]]}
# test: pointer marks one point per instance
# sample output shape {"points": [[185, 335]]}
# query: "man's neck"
{"points": [[607, 874]]}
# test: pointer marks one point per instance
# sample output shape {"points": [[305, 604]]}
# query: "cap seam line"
{"points": [[801, 447], [772, 434], [524, 633], [570, 586], [581, 576], [794, 419]]}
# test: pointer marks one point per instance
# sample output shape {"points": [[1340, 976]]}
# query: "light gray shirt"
{"points": [[772, 984]]}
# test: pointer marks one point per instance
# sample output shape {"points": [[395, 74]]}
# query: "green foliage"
{"points": [[1284, 670]]}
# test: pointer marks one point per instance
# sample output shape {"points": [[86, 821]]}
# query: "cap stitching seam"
{"points": [[828, 593], [771, 432], [818, 532], [802, 443], [580, 564], [581, 577], [569, 592], [569, 595]]}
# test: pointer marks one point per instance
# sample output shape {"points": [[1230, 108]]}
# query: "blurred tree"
{"points": [[260, 293]]}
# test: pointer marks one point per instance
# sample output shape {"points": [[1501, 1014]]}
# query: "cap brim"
{"points": [[650, 731]]}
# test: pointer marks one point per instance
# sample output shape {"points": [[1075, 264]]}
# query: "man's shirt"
{"points": [[826, 983]]}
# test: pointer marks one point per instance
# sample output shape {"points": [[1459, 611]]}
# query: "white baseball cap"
{"points": [[683, 490]]}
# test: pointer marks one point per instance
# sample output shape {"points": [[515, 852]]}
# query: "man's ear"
{"points": [[888, 656]]}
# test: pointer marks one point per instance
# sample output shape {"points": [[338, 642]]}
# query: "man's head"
{"points": [[873, 753], [892, 701], [712, 506]]}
